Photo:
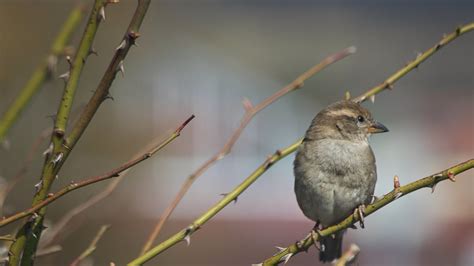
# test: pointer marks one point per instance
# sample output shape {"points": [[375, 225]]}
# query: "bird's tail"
{"points": [[331, 248]]}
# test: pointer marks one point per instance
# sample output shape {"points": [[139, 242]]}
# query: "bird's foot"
{"points": [[359, 211], [316, 236]]}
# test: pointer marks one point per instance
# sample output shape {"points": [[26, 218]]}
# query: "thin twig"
{"points": [[56, 230], [92, 246], [396, 193], [250, 112], [92, 180], [42, 72], [349, 256], [388, 83]]}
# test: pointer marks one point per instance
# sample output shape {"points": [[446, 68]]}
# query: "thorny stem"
{"points": [[427, 182], [28, 236], [42, 72], [388, 83], [92, 180], [250, 112]]}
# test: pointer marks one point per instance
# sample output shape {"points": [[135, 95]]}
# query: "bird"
{"points": [[335, 171]]}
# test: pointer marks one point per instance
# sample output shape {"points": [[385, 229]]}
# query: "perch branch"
{"points": [[42, 72], [92, 180], [250, 112], [427, 182], [186, 233], [388, 83], [92, 246]]}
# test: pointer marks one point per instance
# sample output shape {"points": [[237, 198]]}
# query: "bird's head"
{"points": [[345, 120]]}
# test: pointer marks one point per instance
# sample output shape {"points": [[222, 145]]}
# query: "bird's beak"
{"points": [[377, 127]]}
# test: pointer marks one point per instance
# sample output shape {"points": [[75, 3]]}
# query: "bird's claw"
{"points": [[359, 211], [315, 236]]}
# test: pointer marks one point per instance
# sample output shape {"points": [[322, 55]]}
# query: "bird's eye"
{"points": [[360, 118]]}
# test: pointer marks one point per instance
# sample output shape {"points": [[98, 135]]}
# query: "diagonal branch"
{"points": [[42, 72], [396, 193], [92, 246], [250, 112], [186, 233], [92, 180], [388, 83]]}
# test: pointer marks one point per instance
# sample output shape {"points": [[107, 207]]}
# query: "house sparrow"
{"points": [[334, 169]]}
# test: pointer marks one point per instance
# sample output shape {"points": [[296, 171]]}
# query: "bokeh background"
{"points": [[204, 57]]}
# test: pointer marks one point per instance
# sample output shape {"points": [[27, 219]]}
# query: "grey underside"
{"points": [[333, 177]]}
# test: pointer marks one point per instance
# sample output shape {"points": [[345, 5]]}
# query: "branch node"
{"points": [[396, 182], [451, 176]]}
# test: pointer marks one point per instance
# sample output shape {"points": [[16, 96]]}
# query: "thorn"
{"points": [[121, 68], [122, 45], [280, 249], [257, 264], [372, 98], [374, 198], [65, 76], [247, 104], [353, 226], [38, 186], [35, 215], [451, 176], [396, 182], [69, 61], [57, 159], [225, 194], [347, 95], [398, 195], [50, 195], [418, 54], [113, 1], [34, 235], [433, 188], [188, 240], [109, 96], [102, 13], [93, 51], [389, 86], [438, 46], [286, 258]]}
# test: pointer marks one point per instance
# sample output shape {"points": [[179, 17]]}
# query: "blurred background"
{"points": [[203, 57]]}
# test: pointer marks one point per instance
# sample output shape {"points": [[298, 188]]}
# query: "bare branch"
{"points": [[395, 194], [92, 180], [92, 246]]}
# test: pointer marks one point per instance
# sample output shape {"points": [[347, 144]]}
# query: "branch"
{"points": [[42, 72], [186, 233], [92, 246], [59, 227], [349, 256], [250, 112], [388, 83], [92, 180], [396, 193], [26, 241]]}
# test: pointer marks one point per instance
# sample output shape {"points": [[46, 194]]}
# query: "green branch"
{"points": [[396, 193], [28, 236], [186, 233], [42, 72], [388, 83]]}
